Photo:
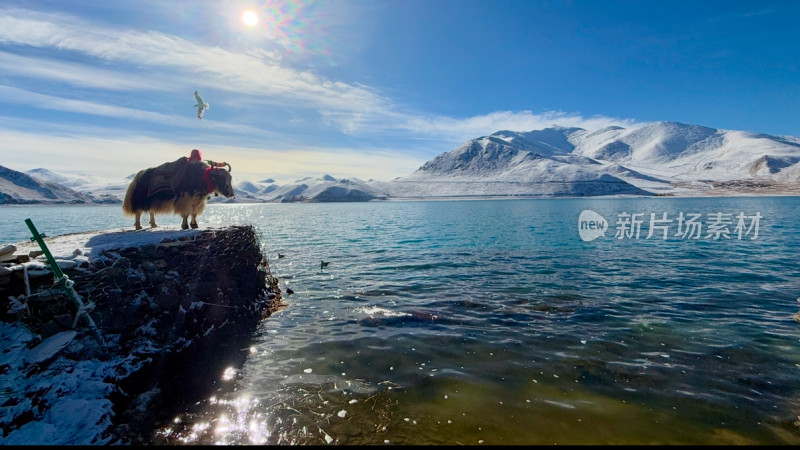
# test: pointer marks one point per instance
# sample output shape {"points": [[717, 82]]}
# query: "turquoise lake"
{"points": [[494, 322]]}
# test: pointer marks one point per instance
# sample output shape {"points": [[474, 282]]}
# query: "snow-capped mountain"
{"points": [[100, 189], [656, 158], [659, 158], [321, 189], [46, 186], [512, 164], [20, 188], [678, 152]]}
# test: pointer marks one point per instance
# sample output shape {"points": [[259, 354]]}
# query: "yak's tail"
{"points": [[127, 204]]}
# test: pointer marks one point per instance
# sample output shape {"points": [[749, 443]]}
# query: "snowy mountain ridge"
{"points": [[19, 188], [658, 158], [667, 158]]}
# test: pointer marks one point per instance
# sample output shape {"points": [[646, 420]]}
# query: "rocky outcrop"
{"points": [[171, 317]]}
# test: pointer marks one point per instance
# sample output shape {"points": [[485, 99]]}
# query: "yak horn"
{"points": [[218, 165]]}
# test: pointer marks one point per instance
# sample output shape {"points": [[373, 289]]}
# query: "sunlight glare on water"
{"points": [[491, 322]]}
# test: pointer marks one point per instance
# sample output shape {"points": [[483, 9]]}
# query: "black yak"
{"points": [[180, 187]]}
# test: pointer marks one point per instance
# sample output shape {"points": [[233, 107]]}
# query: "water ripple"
{"points": [[516, 331]]}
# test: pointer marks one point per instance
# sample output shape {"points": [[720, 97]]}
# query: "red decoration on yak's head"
{"points": [[207, 178], [195, 156]]}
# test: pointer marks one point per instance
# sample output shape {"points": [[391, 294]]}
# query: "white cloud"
{"points": [[29, 98], [257, 74], [471, 127], [19, 96], [274, 109], [74, 74], [250, 72], [378, 164], [117, 156]]}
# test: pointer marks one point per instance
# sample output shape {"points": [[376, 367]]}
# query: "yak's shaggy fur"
{"points": [[179, 187]]}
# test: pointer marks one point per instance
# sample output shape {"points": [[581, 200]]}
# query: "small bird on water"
{"points": [[280, 256], [323, 264]]}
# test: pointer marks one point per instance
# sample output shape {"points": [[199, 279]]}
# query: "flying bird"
{"points": [[201, 105], [323, 264]]}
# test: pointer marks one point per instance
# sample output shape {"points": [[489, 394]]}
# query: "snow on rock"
{"points": [[173, 309], [49, 347]]}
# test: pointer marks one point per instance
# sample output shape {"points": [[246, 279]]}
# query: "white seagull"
{"points": [[201, 105]]}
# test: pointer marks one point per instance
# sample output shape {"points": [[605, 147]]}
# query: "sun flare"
{"points": [[250, 18]]}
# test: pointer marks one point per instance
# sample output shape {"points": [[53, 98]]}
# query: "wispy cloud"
{"points": [[251, 72], [43, 101], [13, 95], [256, 74], [74, 74], [269, 103], [117, 155], [460, 129]]}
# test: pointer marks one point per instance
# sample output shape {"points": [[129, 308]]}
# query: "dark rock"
{"points": [[187, 309], [122, 263], [57, 325], [148, 267], [65, 320]]}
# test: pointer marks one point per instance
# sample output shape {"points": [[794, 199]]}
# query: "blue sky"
{"points": [[373, 88]]}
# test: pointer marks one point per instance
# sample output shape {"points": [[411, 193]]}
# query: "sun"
{"points": [[250, 18]]}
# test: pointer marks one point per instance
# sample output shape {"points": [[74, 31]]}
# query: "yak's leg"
{"points": [[137, 224], [183, 206], [198, 209], [153, 219], [194, 216]]}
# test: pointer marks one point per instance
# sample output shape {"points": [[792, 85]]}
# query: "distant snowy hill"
{"points": [[99, 189], [46, 186], [321, 189], [659, 158], [20, 188]]}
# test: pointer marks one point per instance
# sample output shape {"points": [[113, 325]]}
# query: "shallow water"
{"points": [[493, 322]]}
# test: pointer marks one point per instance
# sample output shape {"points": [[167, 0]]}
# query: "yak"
{"points": [[179, 187]]}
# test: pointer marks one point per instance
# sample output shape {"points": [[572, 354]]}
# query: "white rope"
{"points": [[83, 308], [27, 282]]}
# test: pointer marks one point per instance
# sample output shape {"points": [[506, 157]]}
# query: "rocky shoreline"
{"points": [[172, 314]]}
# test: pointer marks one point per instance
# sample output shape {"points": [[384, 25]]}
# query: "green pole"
{"points": [[38, 238], [66, 283]]}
